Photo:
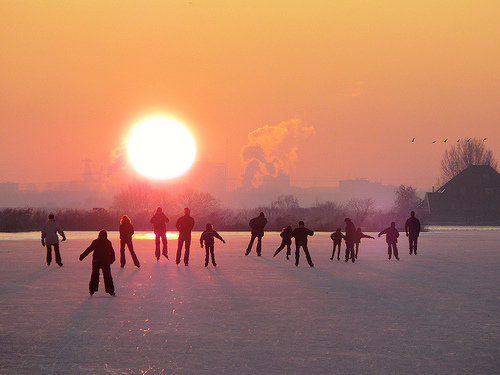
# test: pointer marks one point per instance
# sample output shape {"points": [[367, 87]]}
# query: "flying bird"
{"points": [[484, 139], [413, 140], [434, 141], [458, 140], [445, 140], [469, 139]]}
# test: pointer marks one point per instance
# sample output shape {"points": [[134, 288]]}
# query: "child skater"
{"points": [[337, 238], [208, 237], [286, 235], [126, 233], [103, 257], [358, 235], [391, 237]]}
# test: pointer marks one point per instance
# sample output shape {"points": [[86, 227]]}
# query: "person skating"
{"points": [[391, 237], [337, 238], [300, 234], [207, 237], [257, 224], [412, 228], [350, 233], [102, 258], [184, 225], [50, 239], [126, 233], [159, 221], [358, 235], [286, 235]]}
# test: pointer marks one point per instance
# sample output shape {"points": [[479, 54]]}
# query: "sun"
{"points": [[161, 148]]}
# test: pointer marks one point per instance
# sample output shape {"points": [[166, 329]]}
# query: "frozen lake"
{"points": [[435, 313]]}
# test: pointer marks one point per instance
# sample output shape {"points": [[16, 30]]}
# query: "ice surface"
{"points": [[435, 313]]}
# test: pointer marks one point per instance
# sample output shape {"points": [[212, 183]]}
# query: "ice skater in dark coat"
{"points": [[286, 235], [358, 235], [391, 237], [159, 221], [412, 228], [350, 233], [337, 238], [300, 234], [50, 239], [126, 233], [184, 225], [208, 237], [102, 258], [257, 224]]}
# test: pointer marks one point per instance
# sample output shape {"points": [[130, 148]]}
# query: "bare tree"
{"points": [[360, 209], [464, 154], [406, 200]]}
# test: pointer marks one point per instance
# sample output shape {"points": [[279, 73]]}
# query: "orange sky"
{"points": [[368, 75]]}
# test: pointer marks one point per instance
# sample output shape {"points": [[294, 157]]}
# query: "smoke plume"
{"points": [[272, 150]]}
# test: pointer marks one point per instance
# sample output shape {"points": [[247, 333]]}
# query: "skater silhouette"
{"points": [[300, 234], [412, 228], [159, 221], [257, 224], [350, 233], [184, 225], [102, 258], [51, 239], [337, 238], [126, 233], [358, 235], [391, 237], [286, 235], [208, 237]]}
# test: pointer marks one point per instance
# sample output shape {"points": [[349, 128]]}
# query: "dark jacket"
{"points": [[286, 234], [208, 237], [257, 224], [350, 231], [391, 235], [301, 234], [159, 221], [103, 252], [337, 237], [412, 226], [126, 231], [185, 224]]}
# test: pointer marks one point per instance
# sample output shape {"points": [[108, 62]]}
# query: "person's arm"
{"points": [[44, 234], [407, 227], [310, 232], [87, 252], [332, 236], [61, 232], [201, 239], [366, 236], [219, 237], [112, 257], [383, 232]]}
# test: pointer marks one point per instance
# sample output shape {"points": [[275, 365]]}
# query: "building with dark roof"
{"points": [[470, 198]]}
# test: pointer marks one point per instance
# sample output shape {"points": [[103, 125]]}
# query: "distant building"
{"points": [[470, 198]]}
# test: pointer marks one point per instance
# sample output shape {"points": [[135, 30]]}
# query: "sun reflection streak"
{"points": [[151, 236]]}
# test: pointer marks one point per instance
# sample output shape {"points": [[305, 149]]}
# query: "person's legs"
{"points": [[187, 246], [212, 252], [57, 254], [308, 256], [164, 245], [132, 252], [357, 249], [333, 251], [250, 244], [259, 245], [297, 254], [347, 251], [415, 241], [157, 246], [288, 251], [389, 250], [94, 280], [282, 246], [108, 280], [180, 241], [207, 252], [49, 255], [122, 253], [395, 250]]}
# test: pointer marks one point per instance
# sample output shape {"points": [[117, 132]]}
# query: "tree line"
{"points": [[140, 201]]}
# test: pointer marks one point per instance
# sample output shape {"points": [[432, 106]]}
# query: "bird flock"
{"points": [[446, 140]]}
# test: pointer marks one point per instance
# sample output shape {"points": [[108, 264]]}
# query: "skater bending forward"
{"points": [[102, 258]]}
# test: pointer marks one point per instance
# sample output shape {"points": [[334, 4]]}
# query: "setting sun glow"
{"points": [[161, 148]]}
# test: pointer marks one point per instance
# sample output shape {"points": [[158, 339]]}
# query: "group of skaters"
{"points": [[103, 254]]}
